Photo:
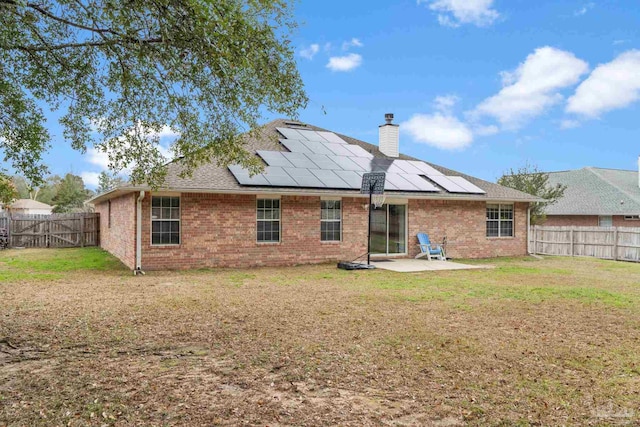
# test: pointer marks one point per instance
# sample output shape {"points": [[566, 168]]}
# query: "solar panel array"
{"points": [[319, 159]]}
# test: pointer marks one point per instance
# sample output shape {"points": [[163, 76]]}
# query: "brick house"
{"points": [[596, 197], [307, 208]]}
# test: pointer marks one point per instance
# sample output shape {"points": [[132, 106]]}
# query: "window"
{"points": [[605, 221], [268, 226], [330, 220], [632, 217], [165, 220], [499, 220]]}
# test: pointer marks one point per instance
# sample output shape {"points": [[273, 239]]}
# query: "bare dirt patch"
{"points": [[546, 342]]}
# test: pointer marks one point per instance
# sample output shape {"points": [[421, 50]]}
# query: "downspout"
{"points": [[529, 229], [138, 269]]}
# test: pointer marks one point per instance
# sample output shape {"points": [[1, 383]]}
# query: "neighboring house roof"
{"points": [[596, 191], [214, 178], [29, 204]]}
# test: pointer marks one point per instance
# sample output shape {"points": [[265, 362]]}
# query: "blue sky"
{"points": [[478, 86]]}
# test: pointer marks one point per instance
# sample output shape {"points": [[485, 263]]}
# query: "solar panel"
{"points": [[364, 163], [304, 177], [447, 184], [331, 137], [400, 182], [330, 179], [395, 169], [388, 185], [407, 167], [242, 176], [311, 135], [290, 133], [353, 179], [278, 177], [380, 165], [469, 187], [295, 146], [420, 182], [425, 168], [338, 149], [317, 147], [323, 162], [358, 151], [299, 160], [274, 158], [346, 163]]}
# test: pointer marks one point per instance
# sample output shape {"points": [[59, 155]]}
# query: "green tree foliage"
{"points": [[107, 181], [22, 187], [531, 180], [121, 71], [70, 194]]}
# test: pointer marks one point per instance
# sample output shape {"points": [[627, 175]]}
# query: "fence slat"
{"points": [[56, 230], [599, 242]]}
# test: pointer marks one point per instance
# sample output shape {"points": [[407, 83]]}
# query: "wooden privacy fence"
{"points": [[52, 231], [617, 243]]}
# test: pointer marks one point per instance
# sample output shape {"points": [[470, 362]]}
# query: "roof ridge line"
{"points": [[623, 191]]}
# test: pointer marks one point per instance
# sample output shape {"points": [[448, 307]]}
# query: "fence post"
{"points": [[82, 224], [535, 239], [572, 239], [47, 232], [615, 243]]}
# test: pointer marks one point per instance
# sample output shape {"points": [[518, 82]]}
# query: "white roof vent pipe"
{"points": [[389, 137]]}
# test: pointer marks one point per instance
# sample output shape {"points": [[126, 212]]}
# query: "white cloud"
{"points": [[445, 103], [354, 42], [569, 124], [438, 130], [310, 51], [584, 9], [344, 63], [610, 86], [453, 13], [620, 41], [486, 130], [90, 179], [533, 87]]}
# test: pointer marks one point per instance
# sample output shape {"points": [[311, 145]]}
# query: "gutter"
{"points": [[138, 269]]}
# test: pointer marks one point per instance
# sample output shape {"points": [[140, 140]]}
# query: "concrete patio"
{"points": [[417, 265]]}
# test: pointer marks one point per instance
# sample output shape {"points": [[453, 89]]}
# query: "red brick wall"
{"points": [[586, 221], [220, 231], [120, 238], [464, 224]]}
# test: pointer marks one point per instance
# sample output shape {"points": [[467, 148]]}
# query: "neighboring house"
{"points": [[31, 207], [307, 207], [596, 197]]}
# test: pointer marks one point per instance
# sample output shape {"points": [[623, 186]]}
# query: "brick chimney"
{"points": [[389, 137]]}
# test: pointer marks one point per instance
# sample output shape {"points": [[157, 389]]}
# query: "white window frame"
{"points": [[609, 219], [500, 220], [271, 220], [332, 220], [179, 220]]}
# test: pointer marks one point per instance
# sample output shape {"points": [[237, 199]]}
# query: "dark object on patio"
{"points": [[346, 265], [4, 238]]}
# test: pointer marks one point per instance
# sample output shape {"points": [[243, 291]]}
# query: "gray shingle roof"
{"points": [[213, 177], [596, 191]]}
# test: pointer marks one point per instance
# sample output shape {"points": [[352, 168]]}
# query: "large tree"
{"points": [[531, 180], [123, 71], [70, 194]]}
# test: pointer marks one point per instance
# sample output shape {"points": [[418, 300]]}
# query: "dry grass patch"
{"points": [[528, 343]]}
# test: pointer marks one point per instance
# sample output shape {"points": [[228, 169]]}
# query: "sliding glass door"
{"points": [[389, 230]]}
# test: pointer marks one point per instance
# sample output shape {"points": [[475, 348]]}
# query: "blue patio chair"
{"points": [[429, 250]]}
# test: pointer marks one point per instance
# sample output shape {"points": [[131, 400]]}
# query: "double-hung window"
{"points": [[605, 221], [268, 220], [165, 220], [330, 220], [499, 220]]}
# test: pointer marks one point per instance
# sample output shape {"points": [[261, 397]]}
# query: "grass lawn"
{"points": [[531, 342]]}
